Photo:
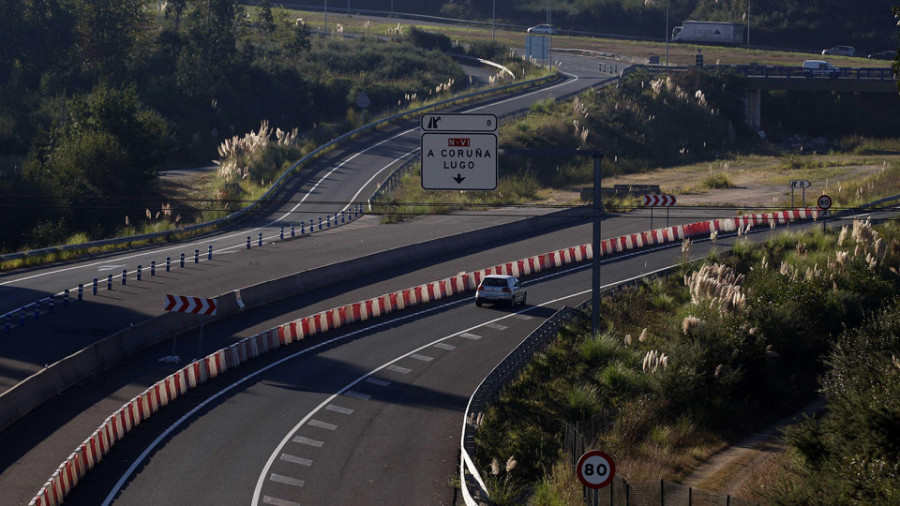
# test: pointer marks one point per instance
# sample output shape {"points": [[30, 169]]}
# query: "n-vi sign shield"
{"points": [[459, 161]]}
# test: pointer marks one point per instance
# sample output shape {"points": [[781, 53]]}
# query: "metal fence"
{"points": [[621, 492]]}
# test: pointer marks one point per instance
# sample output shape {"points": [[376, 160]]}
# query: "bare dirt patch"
{"points": [[756, 181]]}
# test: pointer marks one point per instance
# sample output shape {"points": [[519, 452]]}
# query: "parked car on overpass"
{"points": [[840, 51]]}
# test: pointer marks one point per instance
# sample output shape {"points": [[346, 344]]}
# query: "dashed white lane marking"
{"points": [[469, 335], [287, 480], [378, 381], [496, 326], [423, 358], [308, 442], [274, 501], [397, 368], [296, 460], [322, 425], [445, 346], [357, 395], [339, 409], [523, 317]]}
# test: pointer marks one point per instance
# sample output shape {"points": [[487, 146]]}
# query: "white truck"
{"points": [[709, 31]]}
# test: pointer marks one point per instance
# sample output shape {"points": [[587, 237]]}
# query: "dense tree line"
{"points": [[95, 97]]}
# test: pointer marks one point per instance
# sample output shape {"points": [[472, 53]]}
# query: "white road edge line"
{"points": [[256, 495]]}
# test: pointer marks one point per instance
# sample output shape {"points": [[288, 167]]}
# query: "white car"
{"points": [[543, 28], [820, 68], [495, 288]]}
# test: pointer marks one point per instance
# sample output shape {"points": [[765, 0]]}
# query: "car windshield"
{"points": [[494, 282]]}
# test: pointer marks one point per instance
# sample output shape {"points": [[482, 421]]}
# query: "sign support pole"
{"points": [[595, 282]]}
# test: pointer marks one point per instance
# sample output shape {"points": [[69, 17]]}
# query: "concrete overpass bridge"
{"points": [[760, 78]]}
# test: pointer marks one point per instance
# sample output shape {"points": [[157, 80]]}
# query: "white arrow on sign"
{"points": [[800, 183], [659, 200], [193, 305]]}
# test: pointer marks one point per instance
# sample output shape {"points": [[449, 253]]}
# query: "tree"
{"points": [[106, 35], [266, 18]]}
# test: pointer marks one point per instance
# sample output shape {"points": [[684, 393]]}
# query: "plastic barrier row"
{"points": [[114, 428]]}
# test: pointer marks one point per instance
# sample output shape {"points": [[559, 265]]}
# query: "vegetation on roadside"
{"points": [[82, 144], [681, 361]]}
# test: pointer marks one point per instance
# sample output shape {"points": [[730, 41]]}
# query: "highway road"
{"points": [[331, 184], [37, 443], [229, 443], [368, 415]]}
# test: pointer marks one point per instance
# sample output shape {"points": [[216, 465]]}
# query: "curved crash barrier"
{"points": [[138, 409]]}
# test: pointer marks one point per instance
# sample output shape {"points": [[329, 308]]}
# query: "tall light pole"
{"points": [[748, 23], [326, 16], [667, 33], [493, 18]]}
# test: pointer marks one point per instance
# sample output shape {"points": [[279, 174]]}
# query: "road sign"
{"points": [[595, 469], [194, 305], [447, 122], [800, 183], [363, 101], [459, 161], [824, 202], [659, 200]]}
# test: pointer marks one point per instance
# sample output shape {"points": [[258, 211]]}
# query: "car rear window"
{"points": [[494, 282]]}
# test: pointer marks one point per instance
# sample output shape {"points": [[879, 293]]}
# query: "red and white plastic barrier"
{"points": [[114, 428]]}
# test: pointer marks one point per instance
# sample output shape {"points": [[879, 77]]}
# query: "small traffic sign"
{"points": [[800, 183], [824, 202], [659, 200], [448, 122], [194, 305], [363, 101], [595, 469], [459, 161]]}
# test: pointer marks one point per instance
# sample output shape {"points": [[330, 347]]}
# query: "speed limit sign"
{"points": [[596, 469], [824, 202]]}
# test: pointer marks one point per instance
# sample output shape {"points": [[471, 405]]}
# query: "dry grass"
{"points": [[627, 50]]}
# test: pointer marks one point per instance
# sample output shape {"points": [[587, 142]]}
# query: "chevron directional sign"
{"points": [[194, 305], [659, 200]]}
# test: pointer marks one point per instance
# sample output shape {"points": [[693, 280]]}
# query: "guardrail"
{"points": [[775, 72], [211, 225]]}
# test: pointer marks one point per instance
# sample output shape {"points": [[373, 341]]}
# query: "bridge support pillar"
{"points": [[753, 108]]}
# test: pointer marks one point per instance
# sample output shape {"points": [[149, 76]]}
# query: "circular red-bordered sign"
{"points": [[824, 202], [595, 469]]}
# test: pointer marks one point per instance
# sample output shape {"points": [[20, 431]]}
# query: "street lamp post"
{"points": [[326, 16], [493, 18], [667, 33]]}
